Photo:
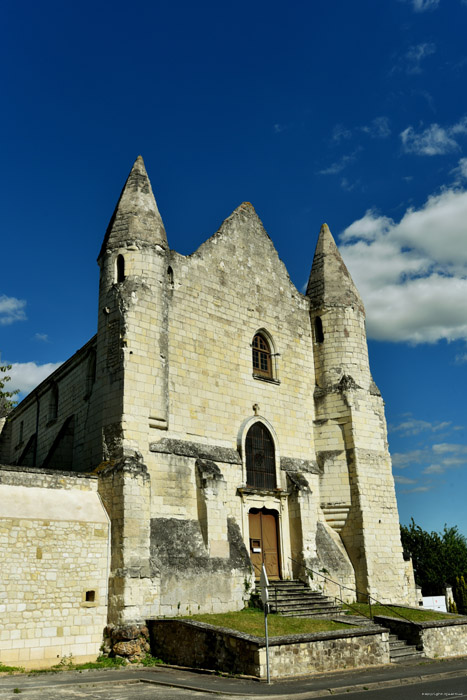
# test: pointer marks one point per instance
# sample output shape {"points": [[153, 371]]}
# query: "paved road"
{"points": [[421, 681]]}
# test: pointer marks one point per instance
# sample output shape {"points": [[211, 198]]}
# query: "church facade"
{"points": [[230, 419]]}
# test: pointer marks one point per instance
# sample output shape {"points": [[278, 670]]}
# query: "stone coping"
{"points": [[184, 448], [424, 624], [368, 630], [30, 471]]}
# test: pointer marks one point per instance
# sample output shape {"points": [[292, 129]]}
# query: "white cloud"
{"points": [[41, 337], [460, 171], [434, 140], [415, 55], [11, 310], [339, 165], [419, 489], [404, 480], [340, 132], [412, 275], [414, 426], [424, 5], [402, 460], [378, 128], [434, 469], [449, 447], [25, 376]]}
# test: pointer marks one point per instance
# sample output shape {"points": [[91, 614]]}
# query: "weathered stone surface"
{"points": [[289, 464], [54, 536], [162, 401], [195, 449], [436, 638], [203, 646]]}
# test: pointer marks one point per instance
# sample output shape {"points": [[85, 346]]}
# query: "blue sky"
{"points": [[353, 113]]}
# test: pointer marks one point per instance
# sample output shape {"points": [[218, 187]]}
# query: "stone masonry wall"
{"points": [[437, 638], [54, 560], [204, 646], [75, 385]]}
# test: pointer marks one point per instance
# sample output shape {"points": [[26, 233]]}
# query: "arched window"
{"points": [[260, 458], [262, 364], [120, 268], [319, 335]]}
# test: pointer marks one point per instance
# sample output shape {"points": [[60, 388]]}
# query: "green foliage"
{"points": [[438, 559], [460, 595], [10, 669], [397, 611], [6, 397], [101, 662], [452, 607], [149, 660]]}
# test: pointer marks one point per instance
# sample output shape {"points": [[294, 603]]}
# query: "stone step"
{"points": [[410, 653], [305, 608], [292, 600], [322, 613], [295, 599]]}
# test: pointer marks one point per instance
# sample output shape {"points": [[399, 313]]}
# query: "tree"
{"points": [[437, 558], [7, 401]]}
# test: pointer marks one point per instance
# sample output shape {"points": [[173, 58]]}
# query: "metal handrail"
{"points": [[341, 586]]}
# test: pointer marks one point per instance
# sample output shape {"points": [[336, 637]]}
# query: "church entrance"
{"points": [[264, 542]]}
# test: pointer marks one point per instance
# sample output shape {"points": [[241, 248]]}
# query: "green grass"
{"points": [[251, 621], [101, 662], [67, 664], [10, 669], [418, 615]]}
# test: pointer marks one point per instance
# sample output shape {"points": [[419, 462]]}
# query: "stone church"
{"points": [[225, 418]]}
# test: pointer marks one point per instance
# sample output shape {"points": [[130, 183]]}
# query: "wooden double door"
{"points": [[264, 544]]}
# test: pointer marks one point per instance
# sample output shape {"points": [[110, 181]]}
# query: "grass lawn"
{"points": [[419, 615], [251, 621]]}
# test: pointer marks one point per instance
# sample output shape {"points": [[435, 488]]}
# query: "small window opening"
{"points": [[319, 335], [21, 432], [53, 403], [261, 352], [90, 596], [170, 277], [91, 373], [120, 268]]}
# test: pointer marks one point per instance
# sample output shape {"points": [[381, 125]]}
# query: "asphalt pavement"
{"points": [[174, 682]]}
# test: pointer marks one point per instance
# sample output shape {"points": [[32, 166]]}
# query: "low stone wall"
{"points": [[436, 638], [199, 645]]}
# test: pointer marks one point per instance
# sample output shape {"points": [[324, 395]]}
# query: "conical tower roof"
{"points": [[330, 283], [136, 218]]}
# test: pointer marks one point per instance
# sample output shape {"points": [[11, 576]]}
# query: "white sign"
{"points": [[435, 602]]}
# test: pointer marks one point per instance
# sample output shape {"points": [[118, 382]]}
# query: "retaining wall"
{"points": [[436, 638], [198, 645]]}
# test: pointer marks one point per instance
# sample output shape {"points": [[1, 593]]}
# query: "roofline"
{"points": [[58, 374]]}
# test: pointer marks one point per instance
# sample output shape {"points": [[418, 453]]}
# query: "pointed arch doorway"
{"points": [[264, 545]]}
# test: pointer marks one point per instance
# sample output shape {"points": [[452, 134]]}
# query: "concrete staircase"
{"points": [[400, 650], [296, 599]]}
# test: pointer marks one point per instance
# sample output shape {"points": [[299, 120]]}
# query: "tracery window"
{"points": [[262, 364], [260, 458]]}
